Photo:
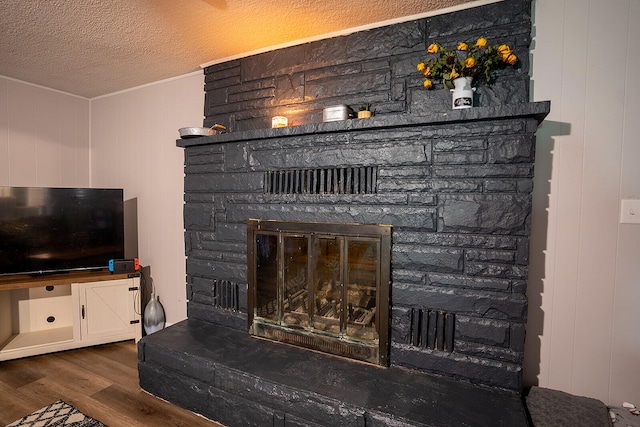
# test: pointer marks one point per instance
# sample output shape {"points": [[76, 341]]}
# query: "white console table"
{"points": [[44, 314]]}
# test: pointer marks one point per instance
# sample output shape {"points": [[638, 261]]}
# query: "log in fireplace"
{"points": [[323, 286]]}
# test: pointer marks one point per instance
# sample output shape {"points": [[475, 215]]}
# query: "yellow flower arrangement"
{"points": [[467, 60]]}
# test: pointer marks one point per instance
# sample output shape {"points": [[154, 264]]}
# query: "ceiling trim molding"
{"points": [[43, 87], [157, 82]]}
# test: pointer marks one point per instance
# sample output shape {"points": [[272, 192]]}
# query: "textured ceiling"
{"points": [[95, 47]]}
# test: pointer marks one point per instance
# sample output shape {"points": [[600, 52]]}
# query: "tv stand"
{"points": [[48, 313]]}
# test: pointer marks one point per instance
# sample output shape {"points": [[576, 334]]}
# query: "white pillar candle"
{"points": [[279, 122]]}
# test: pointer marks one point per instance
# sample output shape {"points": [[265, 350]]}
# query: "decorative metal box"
{"points": [[336, 112]]}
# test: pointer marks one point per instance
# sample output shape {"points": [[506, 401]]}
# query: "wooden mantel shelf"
{"points": [[23, 281]]}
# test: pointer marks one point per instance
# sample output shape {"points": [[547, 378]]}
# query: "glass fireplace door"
{"points": [[361, 289], [321, 286], [327, 282], [295, 292]]}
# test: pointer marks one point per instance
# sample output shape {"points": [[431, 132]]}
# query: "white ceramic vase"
{"points": [[462, 93]]}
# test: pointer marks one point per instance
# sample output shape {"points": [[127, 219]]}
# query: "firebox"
{"points": [[323, 286]]}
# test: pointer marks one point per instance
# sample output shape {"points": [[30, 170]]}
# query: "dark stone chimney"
{"points": [[454, 185]]}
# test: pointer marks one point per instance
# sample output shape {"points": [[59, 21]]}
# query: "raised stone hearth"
{"points": [[227, 376]]}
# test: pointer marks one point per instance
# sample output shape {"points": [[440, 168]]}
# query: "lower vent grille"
{"points": [[432, 329], [225, 294]]}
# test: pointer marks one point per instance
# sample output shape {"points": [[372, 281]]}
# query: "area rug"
{"points": [[57, 414]]}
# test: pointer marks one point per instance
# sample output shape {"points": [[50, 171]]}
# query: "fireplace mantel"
{"points": [[536, 110]]}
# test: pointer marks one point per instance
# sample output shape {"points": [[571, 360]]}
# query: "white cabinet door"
{"points": [[109, 310]]}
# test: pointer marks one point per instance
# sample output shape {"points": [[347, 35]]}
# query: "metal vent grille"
{"points": [[225, 294], [356, 180], [313, 342], [432, 329]]}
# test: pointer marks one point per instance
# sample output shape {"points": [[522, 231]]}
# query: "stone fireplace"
{"points": [[455, 189], [452, 187]]}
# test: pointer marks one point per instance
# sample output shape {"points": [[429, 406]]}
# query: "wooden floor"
{"points": [[100, 381]]}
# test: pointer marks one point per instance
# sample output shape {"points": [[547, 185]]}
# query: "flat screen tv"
{"points": [[49, 230]]}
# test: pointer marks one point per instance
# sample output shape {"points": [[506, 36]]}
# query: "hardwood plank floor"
{"points": [[100, 381]]}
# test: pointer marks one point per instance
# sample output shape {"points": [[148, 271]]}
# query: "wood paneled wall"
{"points": [[133, 146], [44, 137], [584, 286]]}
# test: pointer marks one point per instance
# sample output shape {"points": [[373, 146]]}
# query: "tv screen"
{"points": [[45, 230]]}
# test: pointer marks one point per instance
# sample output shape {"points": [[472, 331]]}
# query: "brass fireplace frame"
{"points": [[374, 350]]}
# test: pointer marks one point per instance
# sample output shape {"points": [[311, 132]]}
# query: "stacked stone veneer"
{"points": [[455, 185], [456, 188], [376, 66]]}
